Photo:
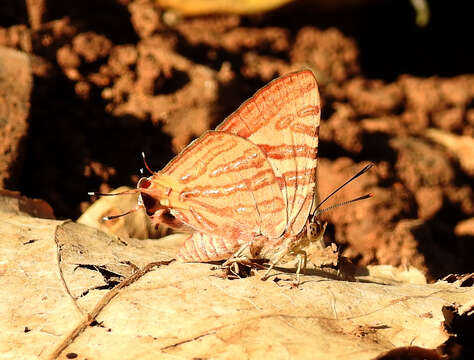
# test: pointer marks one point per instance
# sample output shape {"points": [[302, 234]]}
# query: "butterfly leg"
{"points": [[237, 256], [272, 265], [240, 264], [301, 258]]}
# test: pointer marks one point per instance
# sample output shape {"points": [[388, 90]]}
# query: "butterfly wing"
{"points": [[223, 184], [208, 247], [282, 119]]}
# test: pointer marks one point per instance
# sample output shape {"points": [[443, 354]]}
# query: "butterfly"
{"points": [[250, 183], [251, 180]]}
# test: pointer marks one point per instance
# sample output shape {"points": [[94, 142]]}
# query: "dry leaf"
{"points": [[136, 225], [14, 203], [387, 274], [242, 7], [69, 290]]}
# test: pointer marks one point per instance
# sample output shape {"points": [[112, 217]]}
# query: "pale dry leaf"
{"points": [[54, 273], [58, 297], [388, 274], [136, 225]]}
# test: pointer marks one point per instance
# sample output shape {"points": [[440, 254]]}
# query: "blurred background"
{"points": [[86, 86]]}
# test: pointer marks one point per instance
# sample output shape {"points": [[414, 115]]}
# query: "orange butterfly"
{"points": [[250, 182]]}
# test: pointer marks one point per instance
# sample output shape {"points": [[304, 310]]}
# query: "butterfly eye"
{"points": [[151, 204], [143, 183]]}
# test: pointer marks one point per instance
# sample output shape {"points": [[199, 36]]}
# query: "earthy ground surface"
{"points": [[113, 78]]}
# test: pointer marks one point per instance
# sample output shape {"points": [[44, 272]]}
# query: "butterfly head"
{"points": [[159, 196]]}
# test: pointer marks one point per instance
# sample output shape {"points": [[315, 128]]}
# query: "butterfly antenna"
{"points": [[112, 217], [363, 197], [364, 170], [126, 192], [146, 164]]}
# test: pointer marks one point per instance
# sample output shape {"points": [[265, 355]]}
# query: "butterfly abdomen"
{"points": [[200, 247]]}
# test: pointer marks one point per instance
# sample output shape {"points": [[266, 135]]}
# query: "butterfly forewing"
{"points": [[225, 186], [283, 120]]}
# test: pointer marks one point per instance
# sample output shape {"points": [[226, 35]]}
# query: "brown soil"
{"points": [[126, 76]]}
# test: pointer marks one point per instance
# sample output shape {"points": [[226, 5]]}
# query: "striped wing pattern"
{"points": [[207, 247], [283, 120], [226, 188], [253, 177]]}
